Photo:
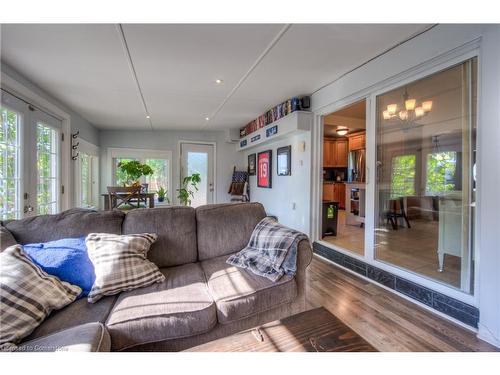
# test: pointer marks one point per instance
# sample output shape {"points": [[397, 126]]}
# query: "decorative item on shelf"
{"points": [[284, 157], [277, 112], [74, 145], [133, 171], [189, 187], [251, 164], [264, 169], [412, 110], [162, 194]]}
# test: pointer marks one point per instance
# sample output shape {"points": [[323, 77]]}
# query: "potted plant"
{"points": [[133, 171], [189, 187], [162, 192]]}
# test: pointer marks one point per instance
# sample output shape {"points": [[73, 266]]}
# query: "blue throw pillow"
{"points": [[67, 259]]}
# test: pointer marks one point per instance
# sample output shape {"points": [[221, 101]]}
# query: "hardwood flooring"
{"points": [[385, 320]]}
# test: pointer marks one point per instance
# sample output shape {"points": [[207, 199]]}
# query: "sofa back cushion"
{"points": [[76, 222], [226, 228], [176, 230]]}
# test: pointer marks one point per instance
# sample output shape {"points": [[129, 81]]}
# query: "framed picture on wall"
{"points": [[251, 165], [264, 169], [284, 158]]}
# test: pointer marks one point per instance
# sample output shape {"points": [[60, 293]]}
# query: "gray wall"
{"points": [[87, 130], [168, 140]]}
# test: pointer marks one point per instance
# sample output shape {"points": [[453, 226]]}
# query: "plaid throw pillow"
{"points": [[120, 263], [27, 296]]}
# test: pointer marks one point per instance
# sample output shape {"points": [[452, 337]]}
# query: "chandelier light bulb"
{"points": [[419, 111], [403, 115], [392, 108], [386, 115], [427, 106], [410, 104]]}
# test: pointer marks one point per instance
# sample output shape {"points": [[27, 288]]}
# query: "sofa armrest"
{"points": [[304, 258]]}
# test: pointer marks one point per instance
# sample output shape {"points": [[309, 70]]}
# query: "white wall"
{"points": [[227, 156], [289, 198], [388, 69]]}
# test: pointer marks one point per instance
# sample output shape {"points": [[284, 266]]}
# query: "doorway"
{"points": [[30, 160], [344, 165], [199, 158]]}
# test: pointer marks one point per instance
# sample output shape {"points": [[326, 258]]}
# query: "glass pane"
{"points": [[159, 178], [47, 169], [10, 201], [85, 178], [425, 189], [198, 163]]}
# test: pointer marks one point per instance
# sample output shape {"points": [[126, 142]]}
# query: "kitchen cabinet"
{"points": [[335, 153], [357, 141], [334, 192], [328, 194]]}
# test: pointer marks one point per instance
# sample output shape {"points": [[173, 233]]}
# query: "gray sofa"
{"points": [[202, 298]]}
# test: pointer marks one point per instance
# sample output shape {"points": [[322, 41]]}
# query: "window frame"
{"points": [[93, 151]]}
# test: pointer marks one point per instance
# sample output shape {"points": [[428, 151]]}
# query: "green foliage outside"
{"points": [[8, 162], [189, 187], [133, 170], [403, 176], [441, 169]]}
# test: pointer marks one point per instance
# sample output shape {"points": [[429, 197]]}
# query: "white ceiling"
{"points": [[85, 66]]}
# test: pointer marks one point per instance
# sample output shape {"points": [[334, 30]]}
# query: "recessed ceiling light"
{"points": [[207, 118], [218, 81], [148, 116]]}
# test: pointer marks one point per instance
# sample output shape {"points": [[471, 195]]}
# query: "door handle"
{"points": [[28, 208]]}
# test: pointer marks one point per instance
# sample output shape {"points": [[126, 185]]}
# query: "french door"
{"points": [[30, 160], [199, 158]]}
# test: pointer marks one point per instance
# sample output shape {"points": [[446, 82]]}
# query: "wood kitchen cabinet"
{"points": [[334, 192], [335, 153], [357, 141]]}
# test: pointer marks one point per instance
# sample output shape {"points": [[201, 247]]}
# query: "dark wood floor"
{"points": [[383, 319]]}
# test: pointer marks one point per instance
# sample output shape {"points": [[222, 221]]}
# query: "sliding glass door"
{"points": [[425, 186], [30, 162]]}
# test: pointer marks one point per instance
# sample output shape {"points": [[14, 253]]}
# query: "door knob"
{"points": [[28, 208]]}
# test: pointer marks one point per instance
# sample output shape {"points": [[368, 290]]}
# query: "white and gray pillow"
{"points": [[120, 263], [27, 296]]}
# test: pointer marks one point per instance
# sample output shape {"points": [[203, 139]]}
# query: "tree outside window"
{"points": [[441, 169], [403, 176]]}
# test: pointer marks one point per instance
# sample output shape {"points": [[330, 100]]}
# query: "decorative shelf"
{"points": [[295, 122]]}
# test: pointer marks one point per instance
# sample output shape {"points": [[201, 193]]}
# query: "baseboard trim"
{"points": [[455, 310]]}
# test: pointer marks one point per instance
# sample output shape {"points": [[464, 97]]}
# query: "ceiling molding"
{"points": [[134, 73], [264, 53]]}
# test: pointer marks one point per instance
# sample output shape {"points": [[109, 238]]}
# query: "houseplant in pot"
{"points": [[162, 192], [133, 171], [189, 187]]}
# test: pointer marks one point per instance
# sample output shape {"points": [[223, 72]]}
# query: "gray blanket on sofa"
{"points": [[271, 251]]}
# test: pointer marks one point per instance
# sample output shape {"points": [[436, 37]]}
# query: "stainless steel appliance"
{"points": [[357, 166]]}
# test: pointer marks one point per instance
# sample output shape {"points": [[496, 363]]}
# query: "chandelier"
{"points": [[411, 110]]}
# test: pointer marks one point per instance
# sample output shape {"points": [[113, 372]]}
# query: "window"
{"points": [[9, 165], [403, 176], [47, 169], [89, 177], [159, 161], [441, 170]]}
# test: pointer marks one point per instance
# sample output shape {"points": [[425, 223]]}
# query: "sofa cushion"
{"points": [[90, 337], [6, 238], [176, 230], [226, 228], [239, 293], [76, 222], [178, 307], [78, 313]]}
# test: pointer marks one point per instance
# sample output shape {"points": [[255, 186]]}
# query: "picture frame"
{"points": [[252, 161], [284, 161], [265, 169]]}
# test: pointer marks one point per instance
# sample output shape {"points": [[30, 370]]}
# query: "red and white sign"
{"points": [[264, 169]]}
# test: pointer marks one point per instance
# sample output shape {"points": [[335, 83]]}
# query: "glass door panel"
{"points": [[199, 158], [425, 149], [10, 166], [47, 158]]}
